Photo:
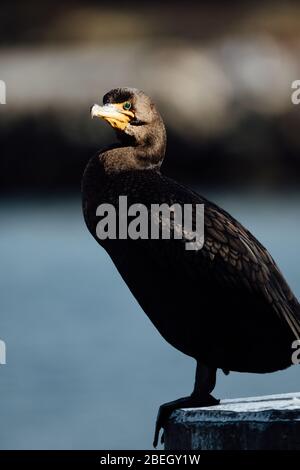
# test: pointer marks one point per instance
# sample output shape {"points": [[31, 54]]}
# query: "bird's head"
{"points": [[136, 120]]}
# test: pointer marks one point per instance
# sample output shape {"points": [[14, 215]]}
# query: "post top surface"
{"points": [[262, 408]]}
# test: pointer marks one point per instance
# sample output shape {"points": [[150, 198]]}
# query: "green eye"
{"points": [[127, 105]]}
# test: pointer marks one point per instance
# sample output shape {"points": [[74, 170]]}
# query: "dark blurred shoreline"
{"points": [[38, 155], [221, 77]]}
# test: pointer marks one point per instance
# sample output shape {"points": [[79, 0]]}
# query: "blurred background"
{"points": [[85, 368]]}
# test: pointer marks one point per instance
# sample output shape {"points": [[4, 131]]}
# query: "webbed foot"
{"points": [[165, 410]]}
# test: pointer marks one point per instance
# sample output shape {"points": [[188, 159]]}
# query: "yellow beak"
{"points": [[114, 114]]}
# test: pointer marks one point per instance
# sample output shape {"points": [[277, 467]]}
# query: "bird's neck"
{"points": [[118, 159], [130, 155]]}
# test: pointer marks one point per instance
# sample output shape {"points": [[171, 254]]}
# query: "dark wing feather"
{"points": [[247, 260], [236, 257]]}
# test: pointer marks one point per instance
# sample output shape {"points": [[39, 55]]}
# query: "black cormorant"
{"points": [[227, 305]]}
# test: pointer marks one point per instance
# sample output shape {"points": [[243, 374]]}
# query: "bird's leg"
{"points": [[205, 382]]}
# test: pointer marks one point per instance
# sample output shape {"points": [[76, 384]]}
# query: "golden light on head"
{"points": [[117, 114]]}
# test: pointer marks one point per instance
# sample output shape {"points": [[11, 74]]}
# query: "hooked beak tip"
{"points": [[93, 110]]}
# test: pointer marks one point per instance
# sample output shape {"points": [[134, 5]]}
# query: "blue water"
{"points": [[85, 367]]}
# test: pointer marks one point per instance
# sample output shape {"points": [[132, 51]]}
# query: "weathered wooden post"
{"points": [[259, 423]]}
